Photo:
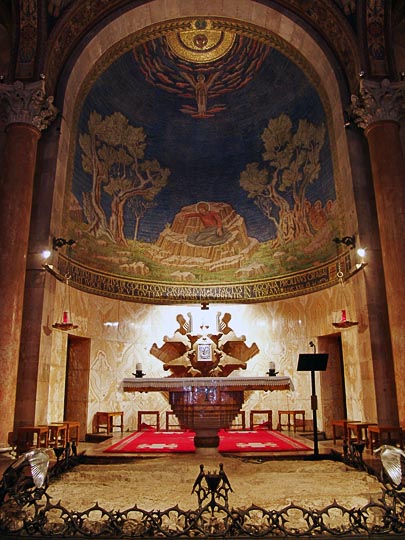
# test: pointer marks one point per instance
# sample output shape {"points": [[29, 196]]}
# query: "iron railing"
{"points": [[32, 514]]}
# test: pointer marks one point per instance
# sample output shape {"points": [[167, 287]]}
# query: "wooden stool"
{"points": [[341, 424], [358, 431], [376, 433], [291, 419], [267, 414], [57, 434], [29, 437], [155, 419], [170, 427], [105, 420], [239, 422]]}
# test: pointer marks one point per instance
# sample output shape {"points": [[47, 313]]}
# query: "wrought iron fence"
{"points": [[32, 514]]}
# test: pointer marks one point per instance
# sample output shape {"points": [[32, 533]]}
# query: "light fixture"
{"points": [[205, 306], [348, 241], [58, 243], [65, 323], [341, 318], [37, 259]]}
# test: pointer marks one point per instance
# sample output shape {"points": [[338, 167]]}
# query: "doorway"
{"points": [[77, 381], [332, 382]]}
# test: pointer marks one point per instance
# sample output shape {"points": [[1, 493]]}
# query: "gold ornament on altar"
{"points": [[204, 354]]}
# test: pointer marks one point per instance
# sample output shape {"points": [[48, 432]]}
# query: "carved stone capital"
{"points": [[378, 101], [27, 104]]}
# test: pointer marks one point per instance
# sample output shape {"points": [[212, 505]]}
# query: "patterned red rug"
{"points": [[260, 440], [229, 441], [155, 441]]}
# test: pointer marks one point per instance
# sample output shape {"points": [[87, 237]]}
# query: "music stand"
{"points": [[313, 362]]}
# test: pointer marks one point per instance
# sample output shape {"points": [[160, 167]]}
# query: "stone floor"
{"points": [[159, 481]]}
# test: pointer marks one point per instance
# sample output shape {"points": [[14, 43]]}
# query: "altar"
{"points": [[206, 404]]}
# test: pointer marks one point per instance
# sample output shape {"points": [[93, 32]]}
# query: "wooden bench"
{"points": [[341, 423], [57, 434], [358, 432], [376, 433], [29, 437]]}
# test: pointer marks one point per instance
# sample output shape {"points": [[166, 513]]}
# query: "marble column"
{"points": [[377, 110], [376, 298], [28, 111]]}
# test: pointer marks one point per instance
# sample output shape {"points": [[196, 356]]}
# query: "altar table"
{"points": [[206, 404]]}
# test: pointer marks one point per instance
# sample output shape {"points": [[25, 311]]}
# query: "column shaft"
{"points": [[387, 163], [15, 209]]}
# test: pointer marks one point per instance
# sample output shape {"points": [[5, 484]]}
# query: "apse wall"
{"points": [[121, 335]]}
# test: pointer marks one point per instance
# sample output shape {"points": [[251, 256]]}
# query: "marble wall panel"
{"points": [[122, 334]]}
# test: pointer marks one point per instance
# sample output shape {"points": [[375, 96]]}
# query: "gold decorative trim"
{"points": [[118, 287], [202, 43]]}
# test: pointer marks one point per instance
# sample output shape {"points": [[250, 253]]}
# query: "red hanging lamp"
{"points": [[65, 322]]}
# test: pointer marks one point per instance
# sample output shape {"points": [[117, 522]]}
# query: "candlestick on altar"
{"points": [[138, 371], [272, 370]]}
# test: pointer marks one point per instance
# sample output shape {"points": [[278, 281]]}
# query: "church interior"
{"points": [[202, 213]]}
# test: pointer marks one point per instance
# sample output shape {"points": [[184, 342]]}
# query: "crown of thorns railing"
{"points": [[34, 514]]}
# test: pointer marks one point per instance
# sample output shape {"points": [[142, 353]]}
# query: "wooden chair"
{"points": [[263, 416], [291, 419], [151, 418], [239, 422], [105, 420], [175, 426]]}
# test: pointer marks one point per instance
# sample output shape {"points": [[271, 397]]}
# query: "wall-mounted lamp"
{"points": [[58, 243], [55, 273], [348, 241]]}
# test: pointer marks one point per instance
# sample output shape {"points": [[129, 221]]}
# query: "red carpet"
{"points": [[257, 441], [229, 441], [155, 441]]}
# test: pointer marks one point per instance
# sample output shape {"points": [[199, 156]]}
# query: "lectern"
{"points": [[313, 362]]}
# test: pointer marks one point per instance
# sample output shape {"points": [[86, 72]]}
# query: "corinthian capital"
{"points": [[378, 101], [27, 104]]}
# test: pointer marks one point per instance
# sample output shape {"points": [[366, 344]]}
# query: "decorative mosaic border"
{"points": [[123, 288]]}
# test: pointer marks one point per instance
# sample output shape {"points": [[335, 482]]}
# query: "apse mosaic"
{"points": [[202, 156]]}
